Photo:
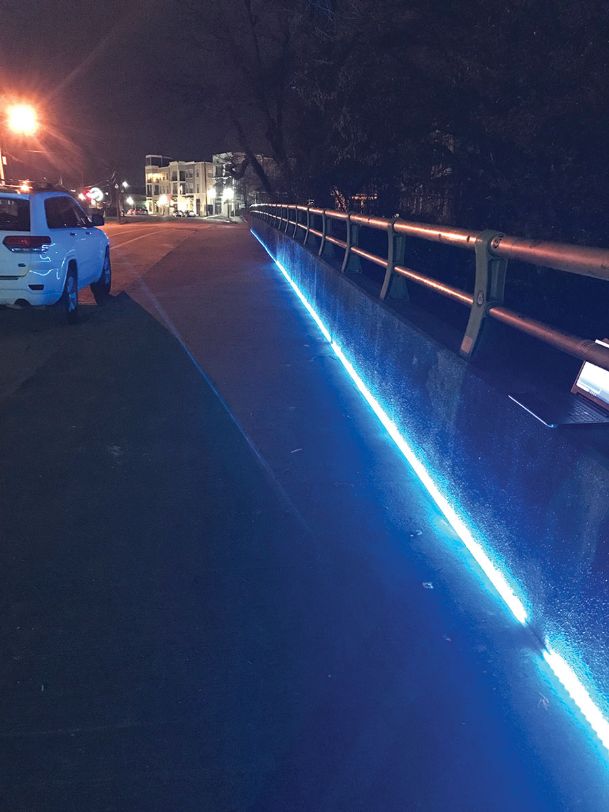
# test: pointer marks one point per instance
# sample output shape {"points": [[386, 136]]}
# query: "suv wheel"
{"points": [[69, 298], [101, 288]]}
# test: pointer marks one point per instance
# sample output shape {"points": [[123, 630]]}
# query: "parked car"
{"points": [[50, 249]]}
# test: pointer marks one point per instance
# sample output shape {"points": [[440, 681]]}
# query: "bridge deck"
{"points": [[224, 590]]}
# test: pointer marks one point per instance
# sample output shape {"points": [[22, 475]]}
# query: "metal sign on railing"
{"points": [[492, 251]]}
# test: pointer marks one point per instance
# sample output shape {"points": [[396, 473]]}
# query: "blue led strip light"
{"points": [[560, 667]]}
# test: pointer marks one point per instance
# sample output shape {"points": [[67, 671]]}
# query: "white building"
{"points": [[184, 186], [202, 187]]}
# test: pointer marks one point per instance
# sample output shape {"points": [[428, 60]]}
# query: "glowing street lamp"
{"points": [[18, 119], [129, 201], [227, 197], [22, 119], [125, 185]]}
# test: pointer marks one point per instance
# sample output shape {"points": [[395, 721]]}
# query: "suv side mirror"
{"points": [[97, 219]]}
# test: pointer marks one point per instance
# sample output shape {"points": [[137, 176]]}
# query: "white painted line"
{"points": [[134, 239]]}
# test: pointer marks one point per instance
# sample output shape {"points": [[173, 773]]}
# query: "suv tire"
{"points": [[101, 288], [69, 297]]}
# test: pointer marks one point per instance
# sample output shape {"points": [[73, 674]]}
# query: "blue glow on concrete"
{"points": [[558, 664], [491, 570], [578, 693]]}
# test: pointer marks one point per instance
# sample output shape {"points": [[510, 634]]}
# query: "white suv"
{"points": [[49, 250]]}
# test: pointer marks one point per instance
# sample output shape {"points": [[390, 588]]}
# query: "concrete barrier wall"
{"points": [[538, 498]]}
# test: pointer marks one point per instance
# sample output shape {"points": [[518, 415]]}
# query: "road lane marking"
{"points": [[134, 239], [125, 232]]}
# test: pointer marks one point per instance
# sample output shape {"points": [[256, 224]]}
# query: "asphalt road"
{"points": [[220, 587]]}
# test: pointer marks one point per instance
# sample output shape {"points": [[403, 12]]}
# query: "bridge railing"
{"points": [[492, 250]]}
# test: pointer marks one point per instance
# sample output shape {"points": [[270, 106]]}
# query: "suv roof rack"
{"points": [[27, 186]]}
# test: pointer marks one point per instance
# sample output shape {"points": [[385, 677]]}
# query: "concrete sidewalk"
{"points": [[224, 590]]}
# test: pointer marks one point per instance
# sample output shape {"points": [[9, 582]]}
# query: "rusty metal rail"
{"points": [[491, 249]]}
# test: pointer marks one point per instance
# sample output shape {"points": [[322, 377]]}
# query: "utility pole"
{"points": [[117, 192]]}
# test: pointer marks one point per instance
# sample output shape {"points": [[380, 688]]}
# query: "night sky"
{"points": [[106, 75]]}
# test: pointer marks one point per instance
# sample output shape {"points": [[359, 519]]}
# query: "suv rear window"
{"points": [[14, 214]]}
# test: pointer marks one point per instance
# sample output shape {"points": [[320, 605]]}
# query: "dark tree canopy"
{"points": [[476, 111]]}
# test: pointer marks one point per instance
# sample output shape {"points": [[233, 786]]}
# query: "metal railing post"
{"points": [[489, 287], [347, 256], [345, 262], [328, 249], [296, 221], [306, 237], [351, 262], [394, 286], [324, 225]]}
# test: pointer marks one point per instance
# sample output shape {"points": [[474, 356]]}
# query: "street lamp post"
{"points": [[121, 199]]}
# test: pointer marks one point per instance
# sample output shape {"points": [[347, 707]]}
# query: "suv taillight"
{"points": [[24, 243]]}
